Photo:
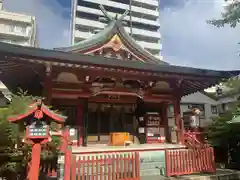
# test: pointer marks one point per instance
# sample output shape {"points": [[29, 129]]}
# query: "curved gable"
{"points": [[115, 42]]}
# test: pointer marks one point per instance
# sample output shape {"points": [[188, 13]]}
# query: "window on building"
{"points": [[214, 109], [224, 107], [11, 28], [20, 29], [24, 30]]}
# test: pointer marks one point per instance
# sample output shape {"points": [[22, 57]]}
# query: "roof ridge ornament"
{"points": [[109, 17]]}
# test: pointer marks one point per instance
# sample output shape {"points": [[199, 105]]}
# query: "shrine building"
{"points": [[108, 84]]}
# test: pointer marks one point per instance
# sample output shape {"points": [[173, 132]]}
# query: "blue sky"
{"points": [[186, 37]]}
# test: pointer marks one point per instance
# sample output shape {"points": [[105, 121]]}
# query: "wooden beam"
{"points": [[126, 97], [47, 85], [164, 114], [132, 74]]}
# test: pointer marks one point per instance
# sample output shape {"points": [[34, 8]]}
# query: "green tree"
{"points": [[230, 16], [221, 133], [225, 135]]}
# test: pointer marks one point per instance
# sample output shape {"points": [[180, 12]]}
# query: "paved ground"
{"points": [[221, 174]]}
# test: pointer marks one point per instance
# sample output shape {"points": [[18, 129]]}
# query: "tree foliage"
{"points": [[225, 135], [230, 16]]}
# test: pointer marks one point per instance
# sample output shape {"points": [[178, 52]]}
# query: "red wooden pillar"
{"points": [[85, 121], [165, 121], [67, 165], [47, 85], [80, 123], [35, 163], [178, 121]]}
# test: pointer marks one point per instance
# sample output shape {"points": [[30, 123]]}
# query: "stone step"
{"points": [[150, 165], [150, 172], [221, 174]]}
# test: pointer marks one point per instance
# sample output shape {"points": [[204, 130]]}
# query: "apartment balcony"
{"points": [[92, 25], [144, 11], [134, 19], [15, 17], [148, 2], [159, 57], [148, 45], [82, 35], [12, 35]]}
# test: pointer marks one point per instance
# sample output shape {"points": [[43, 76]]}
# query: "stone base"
{"points": [[221, 174]]}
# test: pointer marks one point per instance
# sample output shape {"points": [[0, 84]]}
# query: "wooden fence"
{"points": [[105, 167], [126, 166], [188, 161]]}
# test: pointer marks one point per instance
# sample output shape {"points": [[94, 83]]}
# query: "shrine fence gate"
{"points": [[102, 167]]}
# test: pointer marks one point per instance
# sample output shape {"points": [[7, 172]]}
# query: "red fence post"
{"points": [[137, 160], [167, 163], [212, 160], [67, 165]]}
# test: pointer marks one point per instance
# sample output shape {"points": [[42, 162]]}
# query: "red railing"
{"points": [[188, 161], [115, 166], [106, 167], [194, 140]]}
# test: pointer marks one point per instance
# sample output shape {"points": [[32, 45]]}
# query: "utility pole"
{"points": [[130, 15]]}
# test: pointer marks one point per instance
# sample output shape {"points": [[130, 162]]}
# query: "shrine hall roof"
{"points": [[69, 57], [114, 27], [15, 59]]}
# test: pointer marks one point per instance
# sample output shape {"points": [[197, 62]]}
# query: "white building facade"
{"points": [[142, 23], [17, 28], [208, 106]]}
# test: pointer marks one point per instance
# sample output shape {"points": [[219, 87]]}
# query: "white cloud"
{"points": [[53, 26], [188, 40]]}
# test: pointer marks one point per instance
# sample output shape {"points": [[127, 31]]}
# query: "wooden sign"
{"points": [[153, 119]]}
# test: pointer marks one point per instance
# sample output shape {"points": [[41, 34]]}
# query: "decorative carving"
{"points": [[87, 78], [96, 90], [48, 69], [161, 85], [108, 54], [67, 77], [115, 43], [132, 84], [109, 17], [119, 56], [129, 55], [141, 92], [113, 97]]}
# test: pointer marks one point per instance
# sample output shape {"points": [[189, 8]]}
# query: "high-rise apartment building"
{"points": [[17, 28], [142, 21]]}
